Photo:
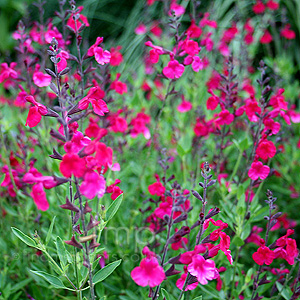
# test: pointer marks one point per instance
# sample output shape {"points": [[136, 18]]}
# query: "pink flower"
{"points": [[173, 70], [184, 106], [94, 97], [119, 86], [176, 8], [212, 102], [81, 20], [93, 185], [102, 56], [114, 190], [181, 281], [206, 22], [39, 78], [258, 170], [266, 149], [251, 109], [272, 5], [263, 256], [191, 47], [156, 189], [72, 164], [271, 126], [8, 71], [117, 123], [35, 112], [194, 31], [288, 33], [203, 269], [104, 155], [139, 125], [141, 29], [266, 38], [258, 7], [39, 197], [116, 57], [224, 117], [148, 273]]}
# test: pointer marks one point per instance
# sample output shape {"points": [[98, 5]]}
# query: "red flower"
{"points": [[251, 109], [156, 189], [173, 70], [258, 170], [119, 86], [94, 97], [224, 117], [263, 256], [81, 20], [191, 47], [39, 197], [288, 33], [266, 149], [72, 164], [258, 7], [35, 112], [266, 38], [116, 56], [272, 5]]}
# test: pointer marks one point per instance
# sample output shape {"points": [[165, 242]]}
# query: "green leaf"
{"points": [[20, 285], [23, 237], [165, 294], [53, 280], [285, 292], [48, 237], [106, 271], [61, 251], [198, 298], [113, 208], [238, 241]]}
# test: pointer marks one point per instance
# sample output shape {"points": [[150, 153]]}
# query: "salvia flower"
{"points": [[149, 273], [173, 70], [263, 256], [94, 96], [203, 269], [258, 170], [35, 113]]}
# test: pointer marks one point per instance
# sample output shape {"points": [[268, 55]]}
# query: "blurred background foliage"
{"points": [[116, 20]]}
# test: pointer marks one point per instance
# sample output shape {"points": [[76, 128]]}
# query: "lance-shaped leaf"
{"points": [[106, 271]]}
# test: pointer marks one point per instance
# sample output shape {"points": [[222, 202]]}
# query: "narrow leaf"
{"points": [[53, 280], [106, 271], [113, 208], [61, 251], [23, 237], [48, 237]]}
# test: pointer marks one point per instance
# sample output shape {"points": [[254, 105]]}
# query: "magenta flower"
{"points": [[156, 189], [94, 97], [258, 170], [35, 112], [102, 56], [181, 281], [173, 70], [203, 269], [72, 164], [224, 117], [8, 71], [184, 106], [148, 273], [93, 185], [39, 197], [263, 256], [39, 78], [266, 149]]}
